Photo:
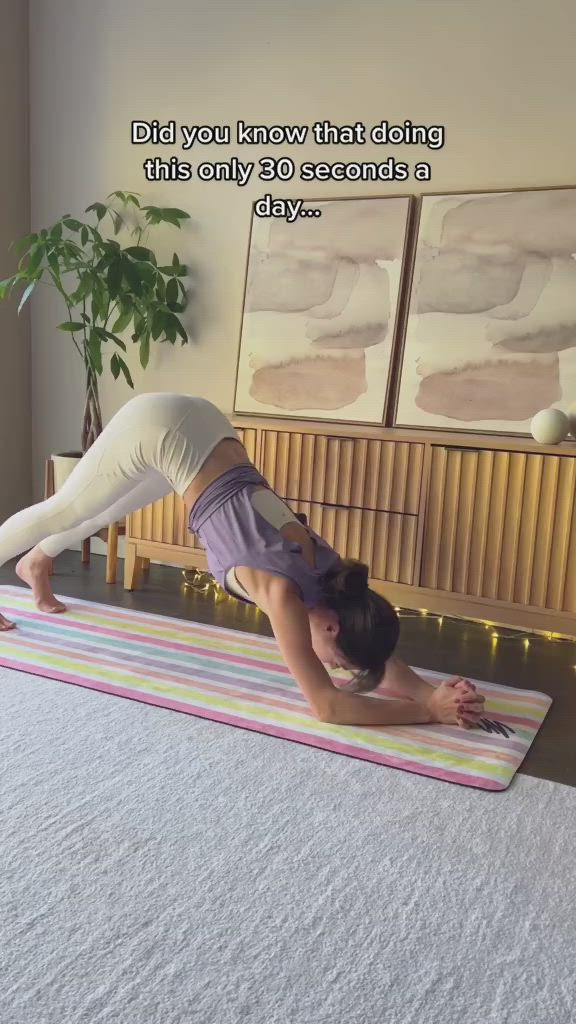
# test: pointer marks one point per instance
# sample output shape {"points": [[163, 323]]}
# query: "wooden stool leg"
{"points": [[112, 554], [86, 551], [132, 568], [145, 565]]}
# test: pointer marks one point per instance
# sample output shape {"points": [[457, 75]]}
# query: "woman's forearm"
{"points": [[400, 679], [355, 709]]}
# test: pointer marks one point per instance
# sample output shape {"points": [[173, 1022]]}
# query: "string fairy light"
{"points": [[497, 630], [201, 581]]}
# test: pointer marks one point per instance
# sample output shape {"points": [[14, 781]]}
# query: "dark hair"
{"points": [[369, 625]]}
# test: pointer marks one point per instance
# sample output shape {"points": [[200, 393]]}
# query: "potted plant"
{"points": [[107, 288]]}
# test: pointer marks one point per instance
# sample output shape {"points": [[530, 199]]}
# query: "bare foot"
{"points": [[5, 624], [33, 569]]}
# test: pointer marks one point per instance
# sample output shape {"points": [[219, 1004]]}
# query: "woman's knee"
{"points": [[61, 513]]}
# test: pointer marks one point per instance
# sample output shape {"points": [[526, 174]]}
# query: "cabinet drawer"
{"points": [[357, 472], [385, 541]]}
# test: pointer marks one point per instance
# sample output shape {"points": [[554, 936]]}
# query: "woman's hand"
{"points": [[456, 702]]}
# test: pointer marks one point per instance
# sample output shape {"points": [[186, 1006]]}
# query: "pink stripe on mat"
{"points": [[240, 680]]}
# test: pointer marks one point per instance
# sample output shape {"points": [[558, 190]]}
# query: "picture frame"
{"points": [[323, 309]]}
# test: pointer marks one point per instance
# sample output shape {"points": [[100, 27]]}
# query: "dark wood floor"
{"points": [[455, 647]]}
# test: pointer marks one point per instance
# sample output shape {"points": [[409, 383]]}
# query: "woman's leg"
{"points": [[121, 458], [33, 568], [152, 435]]}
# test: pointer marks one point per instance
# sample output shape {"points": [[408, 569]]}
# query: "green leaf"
{"points": [[140, 252], [84, 288], [73, 224], [117, 195], [84, 235], [96, 308], [169, 213], [122, 321], [54, 264], [178, 328], [95, 351], [27, 293], [56, 232], [157, 324], [115, 366], [145, 350], [152, 214], [132, 197], [71, 325], [23, 244], [125, 371], [174, 271], [6, 287], [148, 273], [36, 256], [172, 291], [105, 335], [132, 275], [118, 222], [139, 325], [170, 329], [114, 278], [160, 289], [72, 250], [99, 209]]}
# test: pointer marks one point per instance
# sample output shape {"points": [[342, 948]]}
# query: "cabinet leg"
{"points": [[145, 565], [132, 568], [86, 551]]}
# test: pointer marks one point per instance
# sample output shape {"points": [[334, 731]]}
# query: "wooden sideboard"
{"points": [[481, 526]]}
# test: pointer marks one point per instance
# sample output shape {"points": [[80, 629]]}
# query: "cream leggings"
{"points": [[156, 444]]}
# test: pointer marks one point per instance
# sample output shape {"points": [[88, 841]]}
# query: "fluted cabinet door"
{"points": [[501, 525]]}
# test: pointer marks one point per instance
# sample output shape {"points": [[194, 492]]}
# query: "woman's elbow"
{"points": [[325, 712]]}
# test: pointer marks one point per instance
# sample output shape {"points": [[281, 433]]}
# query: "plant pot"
{"points": [[64, 464]]}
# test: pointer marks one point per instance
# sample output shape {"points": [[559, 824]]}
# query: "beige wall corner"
{"points": [[15, 368]]}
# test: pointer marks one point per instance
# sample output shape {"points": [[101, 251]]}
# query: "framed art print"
{"points": [[490, 335], [321, 312]]}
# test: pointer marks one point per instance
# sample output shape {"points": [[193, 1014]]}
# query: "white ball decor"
{"points": [[550, 426], [572, 419]]}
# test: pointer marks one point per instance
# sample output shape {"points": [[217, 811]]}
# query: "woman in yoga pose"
{"points": [[320, 607]]}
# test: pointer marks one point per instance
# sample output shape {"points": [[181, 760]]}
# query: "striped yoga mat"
{"points": [[239, 679]]}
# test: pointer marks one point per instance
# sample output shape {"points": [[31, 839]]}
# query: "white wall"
{"points": [[498, 75], [15, 426]]}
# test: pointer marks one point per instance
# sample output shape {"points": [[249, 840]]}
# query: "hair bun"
{"points": [[350, 579]]}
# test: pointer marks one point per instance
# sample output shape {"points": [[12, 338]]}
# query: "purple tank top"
{"points": [[235, 534]]}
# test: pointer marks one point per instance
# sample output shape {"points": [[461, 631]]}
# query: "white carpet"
{"points": [[161, 869]]}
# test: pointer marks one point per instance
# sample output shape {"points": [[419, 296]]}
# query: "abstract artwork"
{"points": [[321, 309], [491, 331]]}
